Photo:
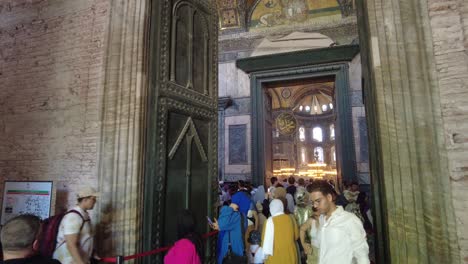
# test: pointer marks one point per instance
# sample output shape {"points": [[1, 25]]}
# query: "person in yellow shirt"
{"points": [[279, 236]]}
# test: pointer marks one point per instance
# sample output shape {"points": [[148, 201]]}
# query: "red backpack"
{"points": [[49, 232]]}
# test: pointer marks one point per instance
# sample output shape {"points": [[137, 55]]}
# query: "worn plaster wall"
{"points": [[51, 80], [449, 24]]}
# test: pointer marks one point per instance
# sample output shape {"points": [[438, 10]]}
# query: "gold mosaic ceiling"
{"points": [[254, 14], [294, 95]]}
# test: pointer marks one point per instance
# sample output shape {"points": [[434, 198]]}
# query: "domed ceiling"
{"points": [[303, 97]]}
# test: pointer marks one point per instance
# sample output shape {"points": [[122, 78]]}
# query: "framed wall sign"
{"points": [[26, 197]]}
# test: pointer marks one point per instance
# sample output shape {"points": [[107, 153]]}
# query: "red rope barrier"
{"points": [[151, 252], [212, 233]]}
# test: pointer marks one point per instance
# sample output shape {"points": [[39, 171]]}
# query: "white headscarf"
{"points": [[276, 208]]}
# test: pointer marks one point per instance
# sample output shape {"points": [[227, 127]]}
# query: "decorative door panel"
{"points": [[181, 156], [187, 183], [192, 53]]}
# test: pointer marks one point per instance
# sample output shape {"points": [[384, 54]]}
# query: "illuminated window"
{"points": [[332, 131], [307, 108], [318, 153], [276, 133], [333, 154], [303, 155], [324, 108], [331, 106], [317, 134], [301, 133], [301, 108]]}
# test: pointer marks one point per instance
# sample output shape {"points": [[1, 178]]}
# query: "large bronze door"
{"points": [[181, 156]]}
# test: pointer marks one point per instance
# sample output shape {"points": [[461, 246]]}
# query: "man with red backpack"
{"points": [[19, 238], [75, 233]]}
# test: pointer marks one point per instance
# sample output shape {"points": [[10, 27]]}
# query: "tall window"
{"points": [[303, 155], [332, 131], [317, 134], [301, 133], [276, 133], [333, 154], [318, 151]]}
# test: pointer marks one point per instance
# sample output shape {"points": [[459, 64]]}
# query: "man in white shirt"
{"points": [[75, 237], [342, 236]]}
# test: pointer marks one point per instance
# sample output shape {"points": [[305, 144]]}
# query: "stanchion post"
{"points": [[120, 259]]}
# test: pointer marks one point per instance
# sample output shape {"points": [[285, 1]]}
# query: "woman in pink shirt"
{"points": [[189, 248]]}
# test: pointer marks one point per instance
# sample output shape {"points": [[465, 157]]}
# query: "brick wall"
{"points": [[449, 22], [51, 79]]}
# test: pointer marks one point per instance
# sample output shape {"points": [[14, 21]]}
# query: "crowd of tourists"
{"points": [[293, 222], [290, 222]]}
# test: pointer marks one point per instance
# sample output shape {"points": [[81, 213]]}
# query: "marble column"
{"points": [[407, 154], [123, 116], [223, 103]]}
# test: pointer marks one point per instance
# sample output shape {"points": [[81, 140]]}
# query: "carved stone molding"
{"points": [[224, 102], [173, 89]]}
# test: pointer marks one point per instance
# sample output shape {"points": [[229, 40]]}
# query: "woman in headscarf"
{"points": [[302, 213], [303, 210], [279, 236], [258, 198], [288, 199], [261, 217]]}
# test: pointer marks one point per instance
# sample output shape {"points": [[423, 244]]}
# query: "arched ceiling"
{"points": [[291, 94]]}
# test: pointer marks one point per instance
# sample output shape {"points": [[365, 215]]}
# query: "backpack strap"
{"points": [[81, 227], [82, 217]]}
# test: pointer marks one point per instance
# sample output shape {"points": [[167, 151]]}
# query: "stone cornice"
{"points": [[224, 102], [298, 58]]}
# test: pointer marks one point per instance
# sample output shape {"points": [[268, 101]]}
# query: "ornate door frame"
{"points": [[301, 65]]}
